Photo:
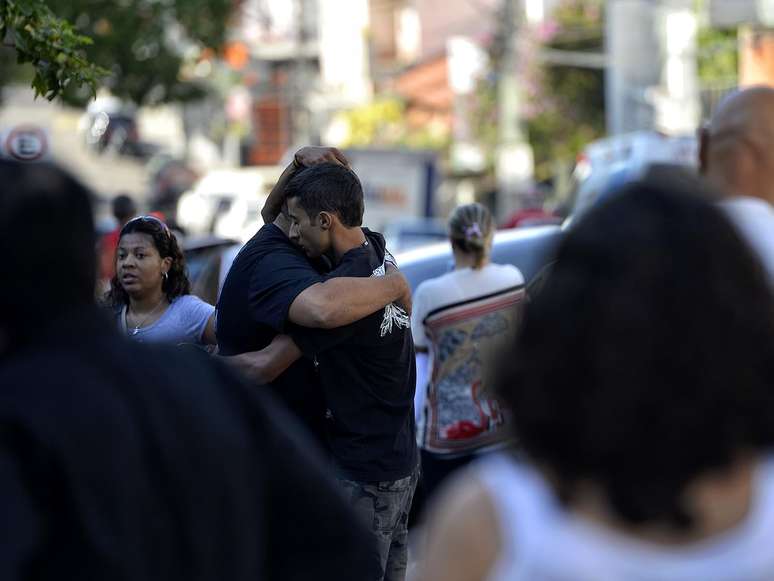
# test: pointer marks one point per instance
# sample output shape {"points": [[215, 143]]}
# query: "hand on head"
{"points": [[311, 155]]}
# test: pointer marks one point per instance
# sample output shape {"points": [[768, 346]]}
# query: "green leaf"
{"points": [[50, 44]]}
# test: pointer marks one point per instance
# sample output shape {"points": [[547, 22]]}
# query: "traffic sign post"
{"points": [[24, 143]]}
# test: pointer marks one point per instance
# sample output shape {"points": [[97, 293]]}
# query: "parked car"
{"points": [[612, 161], [115, 131], [529, 249], [407, 233], [208, 259], [169, 178], [226, 202]]}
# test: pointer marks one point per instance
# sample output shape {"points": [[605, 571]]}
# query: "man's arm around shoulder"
{"points": [[266, 365], [340, 301]]}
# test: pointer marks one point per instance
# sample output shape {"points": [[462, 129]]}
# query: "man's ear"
{"points": [[325, 220]]}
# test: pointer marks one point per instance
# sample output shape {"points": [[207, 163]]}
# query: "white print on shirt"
{"points": [[394, 316]]}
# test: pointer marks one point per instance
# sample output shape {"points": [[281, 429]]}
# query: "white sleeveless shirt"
{"points": [[541, 541]]}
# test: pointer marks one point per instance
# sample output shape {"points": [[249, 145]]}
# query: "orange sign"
{"points": [[236, 55]]}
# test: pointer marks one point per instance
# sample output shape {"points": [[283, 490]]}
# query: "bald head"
{"points": [[737, 148]]}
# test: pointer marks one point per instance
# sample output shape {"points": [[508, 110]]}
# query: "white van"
{"points": [[227, 202], [629, 155]]}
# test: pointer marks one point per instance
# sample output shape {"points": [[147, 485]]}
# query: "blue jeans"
{"points": [[384, 507]]}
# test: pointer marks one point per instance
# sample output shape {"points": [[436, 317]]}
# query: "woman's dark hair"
{"points": [[176, 282], [647, 359]]}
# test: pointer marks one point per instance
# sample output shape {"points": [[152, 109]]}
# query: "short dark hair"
{"points": [[48, 244], [647, 359], [176, 282], [329, 187], [123, 207]]}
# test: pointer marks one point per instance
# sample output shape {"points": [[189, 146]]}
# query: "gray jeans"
{"points": [[384, 507]]}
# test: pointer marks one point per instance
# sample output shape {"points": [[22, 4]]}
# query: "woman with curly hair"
{"points": [[150, 290]]}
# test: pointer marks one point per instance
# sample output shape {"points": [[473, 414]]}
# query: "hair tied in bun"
{"points": [[473, 231]]}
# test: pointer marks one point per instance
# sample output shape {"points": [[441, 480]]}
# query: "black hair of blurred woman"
{"points": [[176, 283], [47, 241], [647, 359]]}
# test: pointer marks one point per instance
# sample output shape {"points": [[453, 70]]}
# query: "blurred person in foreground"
{"points": [[272, 284], [736, 153], [124, 209], [125, 461], [151, 292], [459, 320], [641, 389]]}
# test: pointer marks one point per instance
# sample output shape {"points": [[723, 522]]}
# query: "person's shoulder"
{"points": [[44, 371], [747, 203], [432, 293], [375, 237], [468, 497], [363, 260], [188, 301], [190, 304], [748, 212], [268, 232], [103, 362], [433, 284], [462, 552], [377, 245], [267, 237], [507, 273]]}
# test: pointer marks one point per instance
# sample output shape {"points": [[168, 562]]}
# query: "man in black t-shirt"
{"points": [[271, 283], [367, 369]]}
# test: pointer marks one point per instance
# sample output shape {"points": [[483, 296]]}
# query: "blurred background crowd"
{"points": [[527, 106]]}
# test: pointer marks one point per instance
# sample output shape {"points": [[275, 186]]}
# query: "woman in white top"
{"points": [[151, 291], [459, 320], [641, 390]]}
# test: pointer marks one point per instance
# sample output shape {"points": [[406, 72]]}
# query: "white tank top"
{"points": [[543, 542]]}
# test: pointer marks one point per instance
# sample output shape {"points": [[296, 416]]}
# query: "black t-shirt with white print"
{"points": [[368, 375]]}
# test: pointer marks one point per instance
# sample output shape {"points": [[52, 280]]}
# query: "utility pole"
{"points": [[301, 119], [515, 162]]}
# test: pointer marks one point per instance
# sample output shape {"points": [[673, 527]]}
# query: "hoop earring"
{"points": [[165, 275]]}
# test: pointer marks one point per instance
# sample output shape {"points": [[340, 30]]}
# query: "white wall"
{"points": [[342, 33], [651, 82], [736, 12]]}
